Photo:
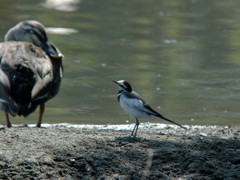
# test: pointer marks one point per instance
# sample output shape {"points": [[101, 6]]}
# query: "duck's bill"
{"points": [[52, 51]]}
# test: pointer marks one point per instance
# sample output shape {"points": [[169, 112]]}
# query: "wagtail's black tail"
{"points": [[162, 117]]}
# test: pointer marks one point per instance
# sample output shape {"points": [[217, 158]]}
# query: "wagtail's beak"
{"points": [[116, 82]]}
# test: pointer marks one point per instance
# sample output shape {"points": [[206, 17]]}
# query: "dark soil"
{"points": [[71, 153]]}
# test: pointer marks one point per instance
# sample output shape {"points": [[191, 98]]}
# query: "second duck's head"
{"points": [[33, 32]]}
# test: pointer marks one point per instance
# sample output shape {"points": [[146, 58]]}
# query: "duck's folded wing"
{"points": [[28, 69]]}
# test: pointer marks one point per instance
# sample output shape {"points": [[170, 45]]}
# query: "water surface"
{"points": [[182, 57]]}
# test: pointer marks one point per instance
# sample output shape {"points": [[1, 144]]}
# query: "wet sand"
{"points": [[106, 152]]}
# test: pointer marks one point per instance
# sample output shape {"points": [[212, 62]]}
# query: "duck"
{"points": [[30, 70]]}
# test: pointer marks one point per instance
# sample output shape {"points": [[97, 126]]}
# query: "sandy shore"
{"points": [[107, 152]]}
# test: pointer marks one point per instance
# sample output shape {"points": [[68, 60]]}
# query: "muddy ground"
{"points": [[85, 153]]}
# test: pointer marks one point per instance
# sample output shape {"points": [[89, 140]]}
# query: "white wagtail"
{"points": [[135, 106]]}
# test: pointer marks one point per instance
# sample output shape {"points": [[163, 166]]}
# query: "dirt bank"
{"points": [[91, 153]]}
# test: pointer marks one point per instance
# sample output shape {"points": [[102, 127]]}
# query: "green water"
{"points": [[181, 56]]}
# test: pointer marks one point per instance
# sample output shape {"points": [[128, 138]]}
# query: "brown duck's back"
{"points": [[28, 76]]}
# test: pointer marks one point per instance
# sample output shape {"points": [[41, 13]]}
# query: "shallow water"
{"points": [[182, 57]]}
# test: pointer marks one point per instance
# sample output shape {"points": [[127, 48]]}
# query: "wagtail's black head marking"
{"points": [[124, 85]]}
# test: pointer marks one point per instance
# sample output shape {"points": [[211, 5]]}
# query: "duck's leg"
{"points": [[7, 120], [41, 111], [134, 132]]}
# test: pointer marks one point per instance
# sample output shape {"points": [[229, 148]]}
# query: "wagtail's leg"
{"points": [[134, 132]]}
